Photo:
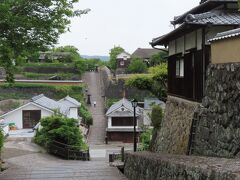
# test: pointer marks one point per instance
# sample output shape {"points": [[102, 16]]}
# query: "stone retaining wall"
{"points": [[155, 166], [218, 129], [173, 137]]}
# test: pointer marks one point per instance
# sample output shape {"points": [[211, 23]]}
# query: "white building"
{"points": [[29, 115], [120, 121]]}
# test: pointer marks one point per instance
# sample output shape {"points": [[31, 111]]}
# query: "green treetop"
{"points": [[114, 52], [29, 26]]}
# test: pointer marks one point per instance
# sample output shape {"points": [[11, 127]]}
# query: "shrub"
{"points": [[145, 139], [60, 129], [86, 115], [156, 116]]}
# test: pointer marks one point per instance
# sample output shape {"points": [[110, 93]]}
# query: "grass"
{"points": [[48, 65], [27, 90], [41, 75]]}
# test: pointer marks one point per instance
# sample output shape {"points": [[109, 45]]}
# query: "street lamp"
{"points": [[134, 105]]}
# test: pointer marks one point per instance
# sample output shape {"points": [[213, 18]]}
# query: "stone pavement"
{"points": [[33, 164], [44, 166], [97, 130]]}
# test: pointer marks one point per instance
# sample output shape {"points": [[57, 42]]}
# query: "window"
{"points": [[122, 63], [125, 58], [180, 68]]}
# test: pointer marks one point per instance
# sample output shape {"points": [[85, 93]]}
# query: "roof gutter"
{"points": [[162, 49]]}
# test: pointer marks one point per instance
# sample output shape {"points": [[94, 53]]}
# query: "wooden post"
{"points": [[122, 154]]}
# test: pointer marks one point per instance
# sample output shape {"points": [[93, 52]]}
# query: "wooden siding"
{"points": [[191, 85], [125, 137]]}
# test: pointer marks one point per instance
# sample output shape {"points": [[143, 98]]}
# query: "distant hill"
{"points": [[103, 58]]}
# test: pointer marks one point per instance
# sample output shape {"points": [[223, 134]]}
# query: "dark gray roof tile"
{"points": [[226, 34]]}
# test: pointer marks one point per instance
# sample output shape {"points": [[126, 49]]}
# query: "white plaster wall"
{"points": [[73, 113], [172, 48], [123, 55], [190, 40], [16, 116], [180, 45], [199, 39], [109, 122], [212, 32]]}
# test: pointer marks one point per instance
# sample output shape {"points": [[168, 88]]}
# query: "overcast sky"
{"points": [[127, 23]]}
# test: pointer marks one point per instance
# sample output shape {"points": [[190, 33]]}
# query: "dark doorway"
{"points": [[31, 118]]}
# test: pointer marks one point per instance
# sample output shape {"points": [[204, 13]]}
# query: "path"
{"points": [[97, 131], [29, 165]]}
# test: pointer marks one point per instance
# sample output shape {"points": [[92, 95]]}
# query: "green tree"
{"points": [[60, 129], [155, 81], [29, 26], [114, 52], [137, 65], [80, 65], [158, 58], [156, 118], [145, 139], [73, 53]]}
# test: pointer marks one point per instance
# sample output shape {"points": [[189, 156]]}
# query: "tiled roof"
{"points": [[112, 111], [51, 104], [226, 34], [214, 17], [145, 53], [72, 100], [204, 6]]}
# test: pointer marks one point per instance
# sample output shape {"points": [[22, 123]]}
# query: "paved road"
{"points": [[97, 131]]}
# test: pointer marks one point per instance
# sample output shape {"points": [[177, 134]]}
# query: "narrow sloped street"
{"points": [[97, 130]]}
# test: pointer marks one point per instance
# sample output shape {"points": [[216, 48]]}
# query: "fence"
{"points": [[67, 152], [117, 156]]}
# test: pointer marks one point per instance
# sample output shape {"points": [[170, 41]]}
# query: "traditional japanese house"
{"points": [[123, 60], [145, 53], [120, 121], [189, 48]]}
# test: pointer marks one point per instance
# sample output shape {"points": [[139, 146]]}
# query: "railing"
{"points": [[67, 152], [117, 156]]}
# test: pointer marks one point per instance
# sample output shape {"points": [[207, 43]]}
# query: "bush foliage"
{"points": [[145, 139], [155, 81], [60, 129], [157, 116], [137, 65], [86, 115]]}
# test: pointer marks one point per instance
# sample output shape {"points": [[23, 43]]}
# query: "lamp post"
{"points": [[134, 105]]}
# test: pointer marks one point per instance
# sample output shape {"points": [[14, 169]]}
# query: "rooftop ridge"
{"points": [[37, 97]]}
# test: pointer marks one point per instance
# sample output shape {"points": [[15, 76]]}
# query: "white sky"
{"points": [[128, 23]]}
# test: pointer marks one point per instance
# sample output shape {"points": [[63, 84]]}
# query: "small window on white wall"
{"points": [[180, 68]]}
